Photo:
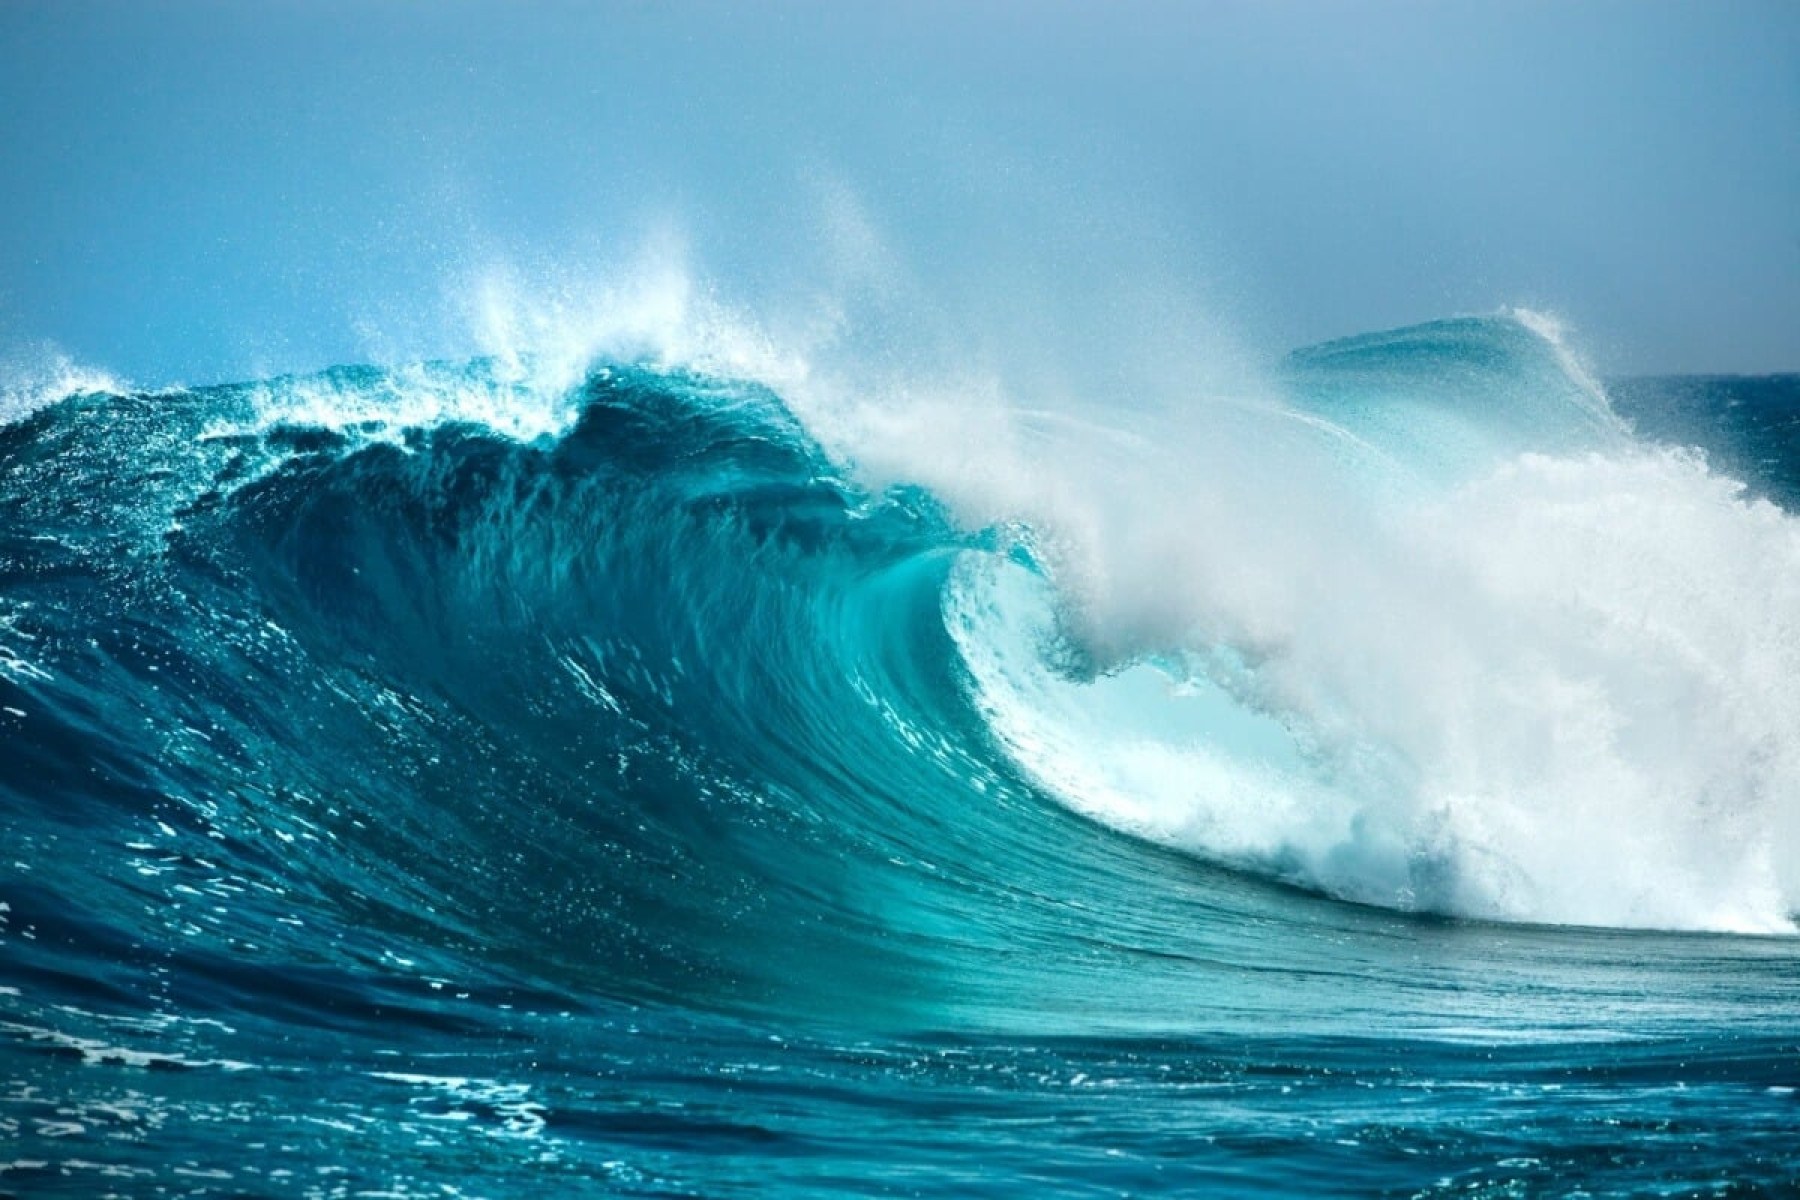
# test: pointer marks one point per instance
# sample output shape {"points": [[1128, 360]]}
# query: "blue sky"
{"points": [[209, 190]]}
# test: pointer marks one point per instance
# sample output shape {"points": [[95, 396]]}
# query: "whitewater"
{"points": [[656, 757]]}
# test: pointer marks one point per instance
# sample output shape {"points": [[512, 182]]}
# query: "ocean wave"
{"points": [[652, 688]]}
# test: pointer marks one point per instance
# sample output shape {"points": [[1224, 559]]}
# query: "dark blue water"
{"points": [[400, 800]]}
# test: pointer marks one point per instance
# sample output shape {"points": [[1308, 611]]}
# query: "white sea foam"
{"points": [[1563, 690], [33, 378]]}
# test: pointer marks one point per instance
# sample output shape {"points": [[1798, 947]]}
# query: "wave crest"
{"points": [[1403, 654]]}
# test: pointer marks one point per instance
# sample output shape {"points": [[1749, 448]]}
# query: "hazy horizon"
{"points": [[204, 190]]}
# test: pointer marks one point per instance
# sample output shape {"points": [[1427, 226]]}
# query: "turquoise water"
{"points": [[442, 781]]}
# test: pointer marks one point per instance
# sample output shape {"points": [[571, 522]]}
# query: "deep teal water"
{"points": [[421, 806]]}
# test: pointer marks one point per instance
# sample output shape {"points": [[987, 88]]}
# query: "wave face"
{"points": [[668, 783]]}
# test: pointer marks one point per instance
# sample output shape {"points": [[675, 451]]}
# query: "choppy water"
{"points": [[438, 781]]}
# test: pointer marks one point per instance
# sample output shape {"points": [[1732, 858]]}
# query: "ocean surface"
{"points": [[475, 779]]}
